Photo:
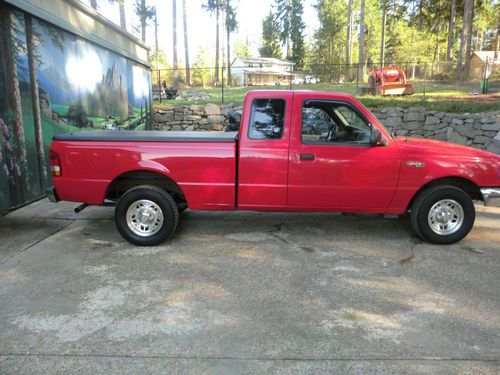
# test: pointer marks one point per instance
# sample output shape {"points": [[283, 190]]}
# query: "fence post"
{"points": [[425, 78], [159, 82], [485, 78], [291, 76], [222, 86], [357, 79]]}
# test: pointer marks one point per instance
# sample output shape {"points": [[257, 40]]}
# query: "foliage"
{"points": [[241, 49], [416, 31], [270, 45], [289, 14], [199, 72], [231, 21], [145, 14]]}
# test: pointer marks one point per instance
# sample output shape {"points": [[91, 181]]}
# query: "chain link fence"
{"points": [[229, 85]]}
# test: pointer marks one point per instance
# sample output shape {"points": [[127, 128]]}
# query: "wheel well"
{"points": [[462, 183], [128, 180]]}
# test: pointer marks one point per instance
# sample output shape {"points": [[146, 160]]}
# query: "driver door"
{"points": [[333, 166]]}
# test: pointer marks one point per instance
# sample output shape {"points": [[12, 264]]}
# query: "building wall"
{"points": [[57, 75]]}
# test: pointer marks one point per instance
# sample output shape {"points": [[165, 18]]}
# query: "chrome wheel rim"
{"points": [[446, 217], [144, 218]]}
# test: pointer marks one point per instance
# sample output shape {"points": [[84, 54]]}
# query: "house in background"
{"points": [[480, 60], [261, 71]]}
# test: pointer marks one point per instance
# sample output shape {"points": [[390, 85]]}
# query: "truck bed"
{"points": [[202, 164], [147, 136]]}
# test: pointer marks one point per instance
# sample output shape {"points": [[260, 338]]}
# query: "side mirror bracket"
{"points": [[376, 138]]}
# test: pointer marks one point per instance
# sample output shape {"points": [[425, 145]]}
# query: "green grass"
{"points": [[61, 110], [437, 96]]}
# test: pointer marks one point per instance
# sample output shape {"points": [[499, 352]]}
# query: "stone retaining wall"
{"points": [[480, 130], [193, 117]]}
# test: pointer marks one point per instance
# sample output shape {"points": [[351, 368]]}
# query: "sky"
{"points": [[201, 25]]}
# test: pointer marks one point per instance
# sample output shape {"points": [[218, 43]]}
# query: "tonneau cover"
{"points": [[147, 136]]}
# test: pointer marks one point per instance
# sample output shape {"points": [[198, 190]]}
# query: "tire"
{"points": [[146, 215], [442, 214]]}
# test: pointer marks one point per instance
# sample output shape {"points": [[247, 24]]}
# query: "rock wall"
{"points": [[480, 130], [193, 117]]}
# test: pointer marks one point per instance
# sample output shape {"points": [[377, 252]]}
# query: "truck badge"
{"points": [[416, 164]]}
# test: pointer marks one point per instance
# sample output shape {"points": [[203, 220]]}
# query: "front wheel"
{"points": [[146, 215], [442, 214]]}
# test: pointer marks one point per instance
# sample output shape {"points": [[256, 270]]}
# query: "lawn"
{"points": [[439, 96]]}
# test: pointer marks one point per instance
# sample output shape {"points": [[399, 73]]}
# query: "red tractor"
{"points": [[389, 80]]}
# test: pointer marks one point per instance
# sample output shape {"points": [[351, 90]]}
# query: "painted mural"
{"points": [[55, 82]]}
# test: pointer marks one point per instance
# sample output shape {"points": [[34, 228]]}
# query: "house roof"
{"points": [[269, 60], [487, 55]]}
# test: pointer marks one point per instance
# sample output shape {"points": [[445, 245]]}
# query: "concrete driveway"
{"points": [[237, 293]]}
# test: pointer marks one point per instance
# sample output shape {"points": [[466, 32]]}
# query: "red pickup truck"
{"points": [[296, 151]]}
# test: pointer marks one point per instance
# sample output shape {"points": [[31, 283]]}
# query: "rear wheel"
{"points": [[442, 214], [146, 215]]}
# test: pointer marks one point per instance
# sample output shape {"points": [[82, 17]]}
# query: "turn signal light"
{"points": [[55, 164]]}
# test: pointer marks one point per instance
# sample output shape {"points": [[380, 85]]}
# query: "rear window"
{"points": [[267, 118]]}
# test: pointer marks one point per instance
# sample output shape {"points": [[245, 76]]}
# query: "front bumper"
{"points": [[51, 194], [491, 196]]}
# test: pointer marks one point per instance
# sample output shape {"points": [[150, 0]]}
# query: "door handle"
{"points": [[306, 156]]}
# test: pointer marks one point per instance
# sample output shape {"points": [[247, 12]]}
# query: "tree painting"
{"points": [[13, 127]]}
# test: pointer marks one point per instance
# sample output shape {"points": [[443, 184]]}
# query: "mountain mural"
{"points": [[54, 83], [110, 97]]}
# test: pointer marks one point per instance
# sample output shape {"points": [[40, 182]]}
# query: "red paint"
{"points": [[271, 175]]}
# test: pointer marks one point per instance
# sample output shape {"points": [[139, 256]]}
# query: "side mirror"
{"points": [[376, 138]]}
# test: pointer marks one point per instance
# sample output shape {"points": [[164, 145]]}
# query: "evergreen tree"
{"points": [[270, 38], [289, 16], [215, 6], [297, 27], [200, 72]]}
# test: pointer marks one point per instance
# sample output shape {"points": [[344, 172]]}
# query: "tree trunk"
{"points": [[468, 41], [217, 44], [451, 27], [143, 21], [93, 4], [14, 104], [382, 44], [348, 41], [420, 15], [228, 56], [175, 64], [464, 39], [186, 46], [436, 54], [361, 40], [37, 116], [497, 44], [123, 19]]}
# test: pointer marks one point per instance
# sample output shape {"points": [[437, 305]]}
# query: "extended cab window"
{"points": [[266, 119], [332, 122]]}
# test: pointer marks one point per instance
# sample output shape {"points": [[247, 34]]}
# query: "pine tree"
{"points": [[215, 6], [289, 15], [270, 38], [297, 27]]}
